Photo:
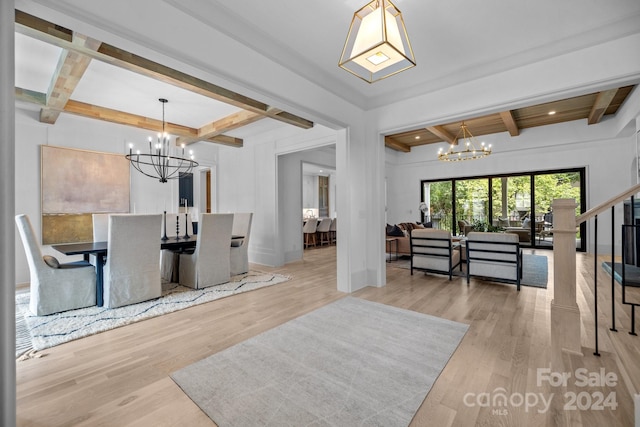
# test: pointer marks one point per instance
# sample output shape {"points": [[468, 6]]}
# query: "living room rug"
{"points": [[48, 331], [350, 363], [534, 269]]}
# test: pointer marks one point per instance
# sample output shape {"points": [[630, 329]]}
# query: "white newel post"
{"points": [[565, 315]]}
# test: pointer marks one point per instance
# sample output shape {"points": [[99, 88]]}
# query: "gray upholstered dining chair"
{"points": [[55, 287], [169, 259], [131, 273], [100, 227], [240, 248], [100, 231], [209, 264]]}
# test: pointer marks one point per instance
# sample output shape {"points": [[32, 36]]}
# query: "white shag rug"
{"points": [[55, 329]]}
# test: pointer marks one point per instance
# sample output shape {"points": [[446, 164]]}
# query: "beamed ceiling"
{"points": [[592, 107], [78, 51], [88, 66]]}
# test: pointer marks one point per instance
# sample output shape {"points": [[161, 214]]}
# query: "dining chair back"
{"points": [[55, 287], [209, 264], [100, 227], [239, 257], [131, 273]]}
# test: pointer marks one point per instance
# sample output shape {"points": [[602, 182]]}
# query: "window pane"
{"points": [[437, 196], [472, 204], [554, 186]]}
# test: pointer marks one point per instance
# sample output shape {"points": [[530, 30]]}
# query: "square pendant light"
{"points": [[377, 45]]}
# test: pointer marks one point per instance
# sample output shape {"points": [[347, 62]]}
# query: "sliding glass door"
{"points": [[515, 203], [438, 196]]}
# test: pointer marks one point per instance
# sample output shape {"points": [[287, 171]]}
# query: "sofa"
{"points": [[401, 232]]}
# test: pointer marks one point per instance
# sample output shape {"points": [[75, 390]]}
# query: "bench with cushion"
{"points": [[494, 256]]}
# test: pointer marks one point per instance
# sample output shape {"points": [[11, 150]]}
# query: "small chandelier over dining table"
{"points": [[469, 150], [162, 161]]}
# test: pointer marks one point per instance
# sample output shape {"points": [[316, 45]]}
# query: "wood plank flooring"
{"points": [[121, 377]]}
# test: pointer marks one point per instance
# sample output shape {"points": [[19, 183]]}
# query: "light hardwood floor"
{"points": [[121, 377]]}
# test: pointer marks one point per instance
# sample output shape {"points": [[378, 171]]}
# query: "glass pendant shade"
{"points": [[377, 45]]}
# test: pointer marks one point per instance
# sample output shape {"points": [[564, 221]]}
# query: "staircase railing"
{"points": [[565, 315]]}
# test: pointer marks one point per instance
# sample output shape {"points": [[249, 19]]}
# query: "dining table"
{"points": [[100, 249]]}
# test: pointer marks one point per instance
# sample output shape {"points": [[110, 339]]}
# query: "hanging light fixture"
{"points": [[469, 150], [160, 162], [377, 45]]}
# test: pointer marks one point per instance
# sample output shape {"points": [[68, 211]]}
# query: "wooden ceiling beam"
{"points": [[441, 132], [60, 36], [510, 122], [30, 96], [70, 69], [227, 140], [120, 117], [600, 105], [219, 127], [395, 145]]}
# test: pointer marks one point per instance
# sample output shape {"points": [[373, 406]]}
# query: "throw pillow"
{"points": [[396, 232], [389, 229], [526, 223], [51, 261]]}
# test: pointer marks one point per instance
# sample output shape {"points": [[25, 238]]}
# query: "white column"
{"points": [[565, 314], [7, 213]]}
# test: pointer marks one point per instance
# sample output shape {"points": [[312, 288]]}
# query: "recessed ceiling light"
{"points": [[417, 136], [551, 113]]}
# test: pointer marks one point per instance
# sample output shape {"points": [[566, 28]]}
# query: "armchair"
{"points": [[55, 287], [432, 250], [494, 255], [464, 227]]}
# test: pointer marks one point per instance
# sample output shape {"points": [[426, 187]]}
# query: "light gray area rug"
{"points": [[48, 331], [349, 363]]}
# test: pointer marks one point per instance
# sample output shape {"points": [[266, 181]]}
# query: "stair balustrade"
{"points": [[565, 315]]}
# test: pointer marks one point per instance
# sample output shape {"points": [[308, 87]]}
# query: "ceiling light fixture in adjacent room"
{"points": [[469, 151], [162, 161], [377, 45]]}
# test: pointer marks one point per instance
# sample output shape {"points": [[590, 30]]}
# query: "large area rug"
{"points": [[535, 270], [350, 363], [40, 332]]}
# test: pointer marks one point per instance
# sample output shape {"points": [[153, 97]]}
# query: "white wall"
{"points": [[147, 195]]}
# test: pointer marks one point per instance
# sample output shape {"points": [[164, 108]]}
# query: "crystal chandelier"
{"points": [[469, 150], [160, 163]]}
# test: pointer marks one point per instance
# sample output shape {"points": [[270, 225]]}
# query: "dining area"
{"points": [[131, 256]]}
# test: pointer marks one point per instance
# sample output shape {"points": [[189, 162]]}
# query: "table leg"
{"points": [[99, 279]]}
